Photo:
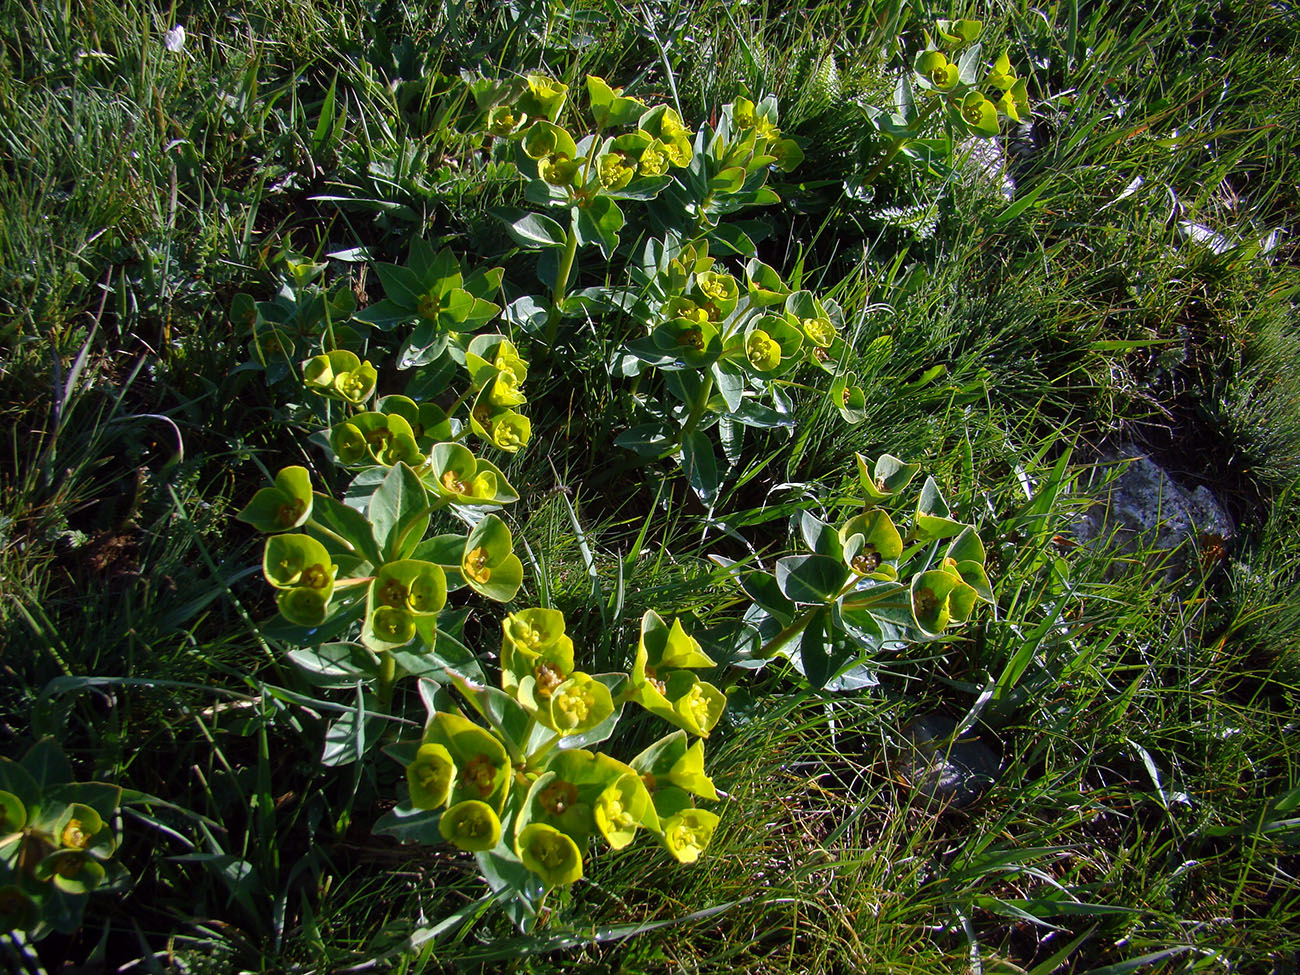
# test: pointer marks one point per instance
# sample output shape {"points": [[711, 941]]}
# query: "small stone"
{"points": [[945, 772]]}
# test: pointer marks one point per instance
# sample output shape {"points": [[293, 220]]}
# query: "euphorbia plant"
{"points": [[57, 842], [864, 585], [515, 780]]}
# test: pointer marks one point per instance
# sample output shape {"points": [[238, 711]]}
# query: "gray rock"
{"points": [[945, 772], [1141, 507]]}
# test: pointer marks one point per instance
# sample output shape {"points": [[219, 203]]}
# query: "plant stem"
{"points": [[387, 677], [698, 405], [897, 146], [317, 526], [562, 274]]}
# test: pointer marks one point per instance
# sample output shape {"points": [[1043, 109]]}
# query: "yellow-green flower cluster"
{"points": [[941, 70], [511, 789], [498, 372], [654, 142]]}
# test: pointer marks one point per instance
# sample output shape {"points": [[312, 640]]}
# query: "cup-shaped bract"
{"points": [[504, 428], [72, 871], [663, 647], [550, 854], [577, 705], [718, 289], [471, 825], [533, 675], [430, 776], [13, 813], [615, 169], [283, 507], [872, 545], [812, 317], [666, 126], [933, 516], [787, 153], [375, 439], [428, 421], [764, 285], [340, 374], [662, 686], [687, 834], [505, 120], [530, 631], [886, 477], [848, 398], [300, 567], [979, 114], [545, 139], [417, 587], [455, 473], [930, 599], [672, 763], [620, 808], [543, 97], [482, 763], [772, 345], [609, 106], [959, 33], [566, 794], [81, 828], [936, 71], [488, 563], [692, 340], [1001, 75]]}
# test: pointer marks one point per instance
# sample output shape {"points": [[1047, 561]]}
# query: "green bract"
{"points": [[936, 71], [686, 834], [620, 808], [1001, 75], [812, 317], [455, 473], [481, 763], [489, 564], [578, 704], [429, 423], [429, 778], [550, 854], [676, 695], [886, 477], [300, 567], [340, 374], [375, 439], [401, 592], [979, 114], [872, 545], [283, 507], [471, 825], [544, 97]]}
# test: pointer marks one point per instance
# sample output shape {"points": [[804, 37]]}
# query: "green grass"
{"points": [[1142, 818]]}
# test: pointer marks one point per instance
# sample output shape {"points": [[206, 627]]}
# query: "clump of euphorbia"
{"points": [[56, 842], [662, 681], [527, 789]]}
